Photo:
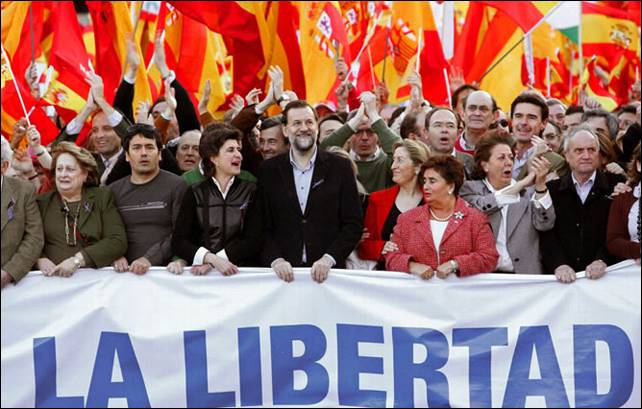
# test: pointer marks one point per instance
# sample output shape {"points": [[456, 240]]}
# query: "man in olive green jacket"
{"points": [[22, 235]]}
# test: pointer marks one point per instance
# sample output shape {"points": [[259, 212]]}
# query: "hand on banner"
{"points": [[565, 274], [200, 269], [46, 266], [65, 269], [423, 271], [320, 269], [205, 99], [283, 270], [176, 266], [120, 265], [223, 266], [6, 278], [444, 270], [596, 270], [140, 266]]}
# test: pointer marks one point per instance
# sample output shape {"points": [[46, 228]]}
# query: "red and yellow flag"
{"points": [[194, 53], [112, 23], [244, 31], [323, 40]]}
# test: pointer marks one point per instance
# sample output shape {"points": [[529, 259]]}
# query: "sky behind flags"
{"points": [[234, 43]]}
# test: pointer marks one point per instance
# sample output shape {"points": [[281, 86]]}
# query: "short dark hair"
{"points": [[611, 120], [300, 103], [395, 115], [448, 168], [271, 122], [144, 130], [574, 109], [465, 87], [214, 137], [483, 149], [332, 117], [530, 98], [408, 125], [627, 109], [440, 108], [554, 101]]}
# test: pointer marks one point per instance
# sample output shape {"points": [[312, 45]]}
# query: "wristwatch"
{"points": [[77, 262], [455, 266]]}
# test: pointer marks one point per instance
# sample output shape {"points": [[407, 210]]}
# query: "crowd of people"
{"points": [[430, 190]]}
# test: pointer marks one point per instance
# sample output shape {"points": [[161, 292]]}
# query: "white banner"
{"points": [[360, 339]]}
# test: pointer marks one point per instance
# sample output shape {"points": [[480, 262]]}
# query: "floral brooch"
{"points": [[458, 215]]}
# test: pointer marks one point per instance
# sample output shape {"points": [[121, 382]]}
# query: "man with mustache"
{"points": [[308, 200]]}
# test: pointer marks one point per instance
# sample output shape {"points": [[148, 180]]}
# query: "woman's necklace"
{"points": [[70, 238], [445, 219]]}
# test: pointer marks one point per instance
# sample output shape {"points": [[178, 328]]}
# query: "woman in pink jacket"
{"points": [[444, 236]]}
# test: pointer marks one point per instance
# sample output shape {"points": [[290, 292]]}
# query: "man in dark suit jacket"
{"points": [[22, 235], [582, 200], [308, 198]]}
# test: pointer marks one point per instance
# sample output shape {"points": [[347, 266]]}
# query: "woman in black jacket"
{"points": [[210, 223]]}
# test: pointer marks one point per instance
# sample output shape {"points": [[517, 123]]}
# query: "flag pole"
{"points": [[15, 83], [419, 37], [580, 51], [550, 12], [372, 74], [366, 40], [548, 77], [385, 57], [450, 98]]}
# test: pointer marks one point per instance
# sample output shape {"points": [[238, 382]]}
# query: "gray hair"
{"points": [[575, 130], [7, 152]]}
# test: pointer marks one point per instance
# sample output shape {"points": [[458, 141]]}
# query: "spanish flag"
{"points": [[244, 31], [323, 40], [112, 23], [194, 53]]}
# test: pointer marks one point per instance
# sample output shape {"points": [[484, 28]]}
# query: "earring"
{"points": [[450, 192]]}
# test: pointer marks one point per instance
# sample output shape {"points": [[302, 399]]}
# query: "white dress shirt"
{"points": [[583, 189], [505, 262]]}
